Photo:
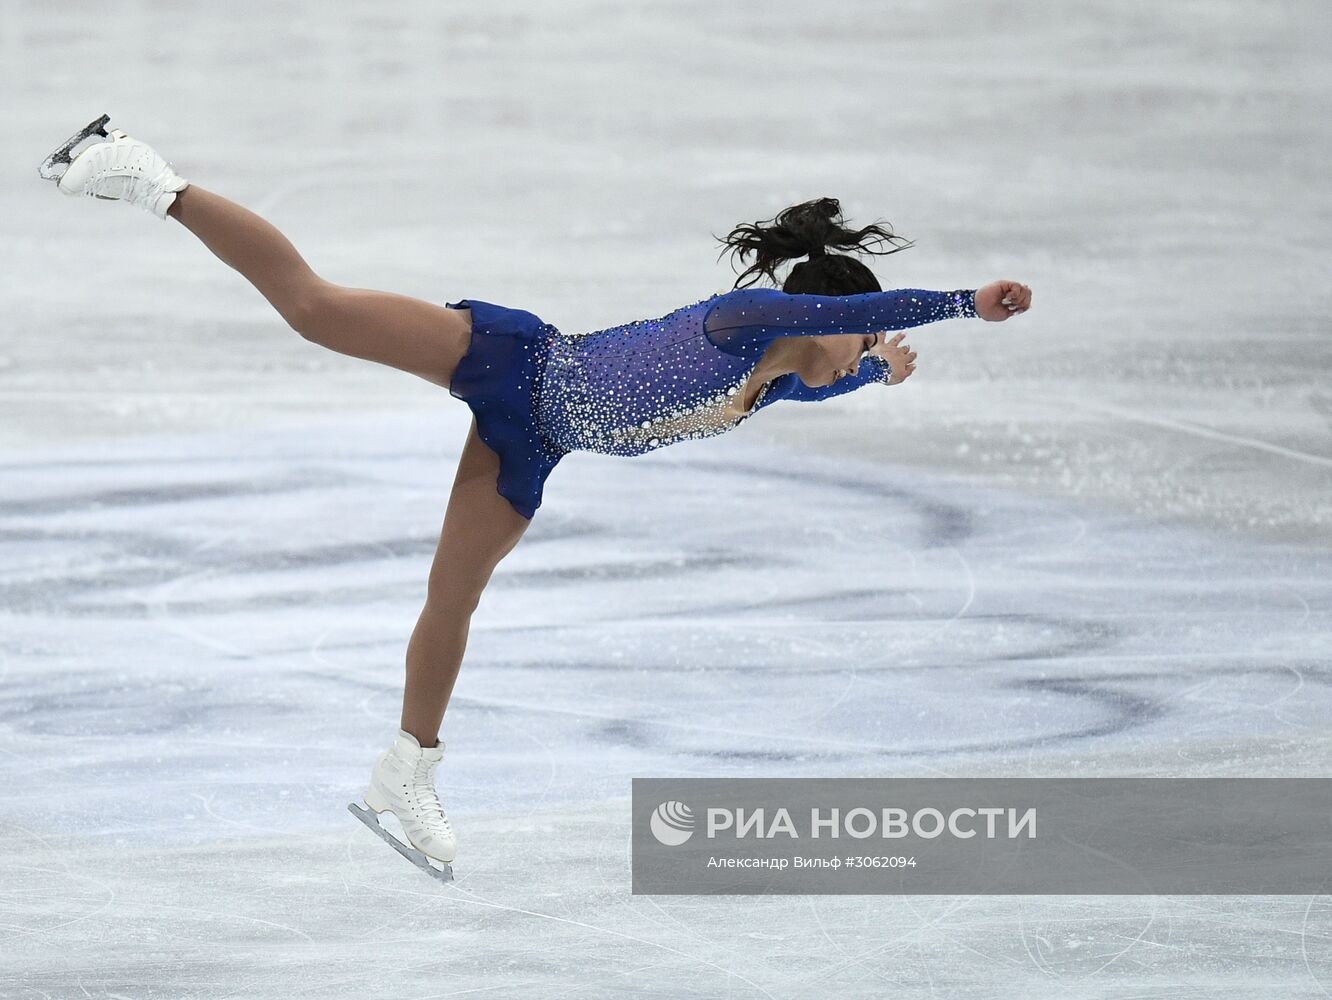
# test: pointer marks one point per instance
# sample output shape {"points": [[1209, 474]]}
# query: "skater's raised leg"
{"points": [[396, 330], [480, 529], [406, 333]]}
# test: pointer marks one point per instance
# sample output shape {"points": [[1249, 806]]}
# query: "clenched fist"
{"points": [[1000, 299]]}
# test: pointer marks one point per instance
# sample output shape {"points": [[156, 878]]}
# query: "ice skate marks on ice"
{"points": [[55, 165], [439, 869]]}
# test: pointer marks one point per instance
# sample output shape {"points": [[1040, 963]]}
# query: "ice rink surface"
{"points": [[1093, 540]]}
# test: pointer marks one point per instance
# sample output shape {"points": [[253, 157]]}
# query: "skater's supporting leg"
{"points": [[397, 330], [480, 529]]}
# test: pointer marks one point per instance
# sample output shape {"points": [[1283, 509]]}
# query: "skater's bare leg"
{"points": [[480, 529], [480, 526], [397, 330]]}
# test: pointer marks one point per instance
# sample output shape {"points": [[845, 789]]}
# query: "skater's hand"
{"points": [[1000, 299], [899, 355]]}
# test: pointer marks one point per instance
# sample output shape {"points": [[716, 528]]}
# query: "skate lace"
{"points": [[138, 189], [427, 798]]}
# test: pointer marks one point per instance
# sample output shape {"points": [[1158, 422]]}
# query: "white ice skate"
{"points": [[114, 167], [403, 782]]}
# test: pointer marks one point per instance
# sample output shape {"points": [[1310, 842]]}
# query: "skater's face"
{"points": [[823, 360]]}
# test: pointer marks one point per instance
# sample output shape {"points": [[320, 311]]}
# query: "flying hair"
{"points": [[810, 229]]}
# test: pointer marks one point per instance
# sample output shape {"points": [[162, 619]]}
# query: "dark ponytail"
{"points": [[809, 229]]}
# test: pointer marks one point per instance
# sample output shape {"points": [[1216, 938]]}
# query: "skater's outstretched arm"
{"points": [[396, 330], [745, 320]]}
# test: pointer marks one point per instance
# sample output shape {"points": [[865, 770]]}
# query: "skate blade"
{"points": [[371, 819], [63, 155]]}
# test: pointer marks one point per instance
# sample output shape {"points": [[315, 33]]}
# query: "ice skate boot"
{"points": [[113, 167], [403, 782]]}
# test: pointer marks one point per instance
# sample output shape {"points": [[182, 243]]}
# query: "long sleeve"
{"points": [[744, 321]]}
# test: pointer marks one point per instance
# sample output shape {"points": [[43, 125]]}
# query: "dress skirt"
{"points": [[501, 378]]}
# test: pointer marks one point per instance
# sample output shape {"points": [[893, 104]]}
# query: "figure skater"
{"points": [[537, 394]]}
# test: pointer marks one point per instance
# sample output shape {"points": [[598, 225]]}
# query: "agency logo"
{"points": [[672, 823]]}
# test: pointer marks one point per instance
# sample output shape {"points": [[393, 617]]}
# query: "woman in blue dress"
{"points": [[537, 393]]}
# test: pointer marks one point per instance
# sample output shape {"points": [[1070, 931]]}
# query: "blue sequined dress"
{"points": [[538, 394]]}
